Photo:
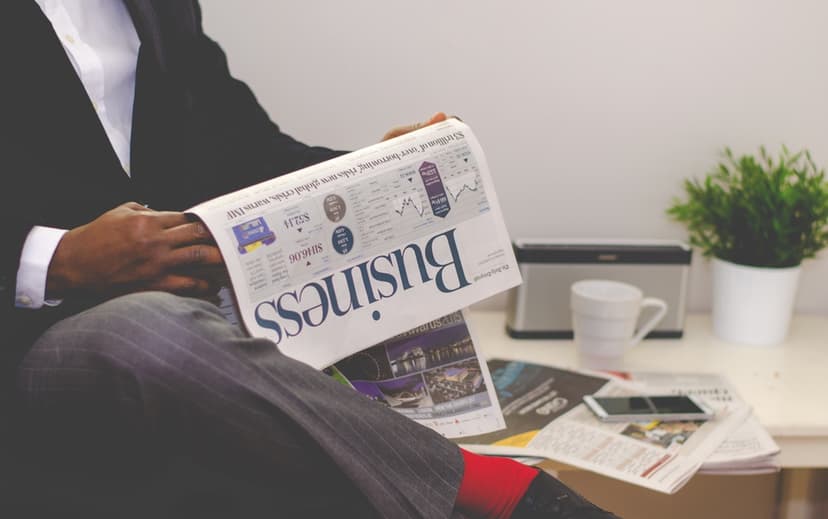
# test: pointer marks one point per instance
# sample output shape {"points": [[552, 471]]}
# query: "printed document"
{"points": [[432, 374], [545, 417], [341, 256]]}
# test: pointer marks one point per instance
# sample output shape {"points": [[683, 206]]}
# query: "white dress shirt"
{"points": [[101, 42]]}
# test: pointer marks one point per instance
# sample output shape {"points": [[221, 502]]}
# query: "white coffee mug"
{"points": [[604, 318]]}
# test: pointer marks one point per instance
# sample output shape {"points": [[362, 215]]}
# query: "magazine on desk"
{"points": [[336, 258], [545, 418]]}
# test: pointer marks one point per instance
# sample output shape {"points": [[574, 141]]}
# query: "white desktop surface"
{"points": [[786, 384]]}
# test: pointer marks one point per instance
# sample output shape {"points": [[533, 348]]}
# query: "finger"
{"points": [[194, 255], [167, 219], [191, 233], [402, 130], [183, 285], [436, 118], [135, 206], [215, 274], [399, 130], [163, 219]]}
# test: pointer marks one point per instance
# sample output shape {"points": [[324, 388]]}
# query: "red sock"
{"points": [[492, 487]]}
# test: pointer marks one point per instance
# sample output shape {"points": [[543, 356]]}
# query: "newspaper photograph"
{"points": [[432, 374], [337, 257], [661, 456]]}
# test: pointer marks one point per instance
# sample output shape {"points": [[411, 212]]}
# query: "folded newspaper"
{"points": [[545, 417], [333, 259], [748, 449]]}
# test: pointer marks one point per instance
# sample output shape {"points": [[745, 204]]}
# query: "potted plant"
{"points": [[758, 218]]}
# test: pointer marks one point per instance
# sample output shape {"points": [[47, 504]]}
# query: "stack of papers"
{"points": [[545, 417], [748, 449]]}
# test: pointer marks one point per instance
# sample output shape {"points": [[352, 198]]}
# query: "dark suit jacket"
{"points": [[197, 133]]}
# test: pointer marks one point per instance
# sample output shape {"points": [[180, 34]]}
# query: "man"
{"points": [[125, 395]]}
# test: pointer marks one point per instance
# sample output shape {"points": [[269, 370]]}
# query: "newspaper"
{"points": [[360, 265], [531, 396], [432, 374], [749, 449], [661, 456], [337, 257]]}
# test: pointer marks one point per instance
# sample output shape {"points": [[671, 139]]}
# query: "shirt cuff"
{"points": [[38, 249]]}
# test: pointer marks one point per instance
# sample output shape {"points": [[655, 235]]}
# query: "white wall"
{"points": [[591, 112]]}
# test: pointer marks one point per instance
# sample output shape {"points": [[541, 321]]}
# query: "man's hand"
{"points": [[402, 130], [132, 248]]}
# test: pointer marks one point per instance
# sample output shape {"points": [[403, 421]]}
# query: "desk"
{"points": [[786, 384]]}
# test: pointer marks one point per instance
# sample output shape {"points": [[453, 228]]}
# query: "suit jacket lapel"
{"points": [[54, 122], [147, 139], [149, 28], [60, 112]]}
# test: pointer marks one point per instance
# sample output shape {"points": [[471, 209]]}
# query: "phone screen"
{"points": [[648, 405]]}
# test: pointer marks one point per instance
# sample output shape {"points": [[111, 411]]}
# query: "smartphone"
{"points": [[644, 408]]}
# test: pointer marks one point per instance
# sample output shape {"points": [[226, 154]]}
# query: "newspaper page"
{"points": [[530, 397], [749, 449], [432, 374], [661, 456], [337, 257]]}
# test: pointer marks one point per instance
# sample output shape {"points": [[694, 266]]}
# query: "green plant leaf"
{"points": [[757, 210]]}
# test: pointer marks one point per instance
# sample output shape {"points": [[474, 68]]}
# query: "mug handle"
{"points": [[654, 320]]}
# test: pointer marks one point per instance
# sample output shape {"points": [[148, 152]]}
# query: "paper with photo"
{"points": [[432, 374], [661, 456], [748, 449]]}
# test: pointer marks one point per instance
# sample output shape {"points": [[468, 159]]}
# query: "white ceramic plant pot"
{"points": [[753, 305]]}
